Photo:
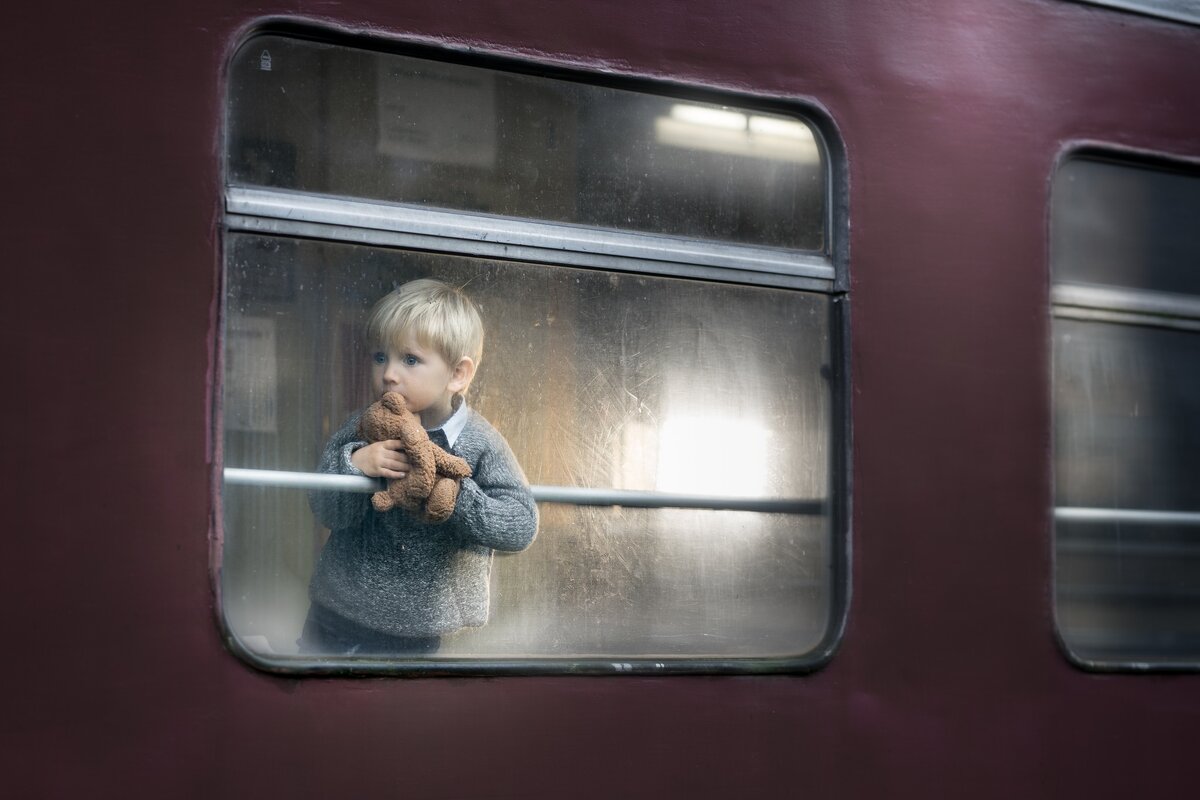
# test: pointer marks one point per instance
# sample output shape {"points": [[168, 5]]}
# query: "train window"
{"points": [[664, 309], [1126, 301]]}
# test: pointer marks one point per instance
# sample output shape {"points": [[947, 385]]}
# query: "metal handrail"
{"points": [[574, 495], [1132, 515]]}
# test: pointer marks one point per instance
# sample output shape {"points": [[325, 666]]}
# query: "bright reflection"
{"points": [[732, 132], [773, 126], [711, 117], [714, 456]]}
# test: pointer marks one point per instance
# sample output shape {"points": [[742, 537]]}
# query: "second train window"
{"points": [[1127, 410]]}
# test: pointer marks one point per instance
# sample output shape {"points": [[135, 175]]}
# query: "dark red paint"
{"points": [[948, 683]]}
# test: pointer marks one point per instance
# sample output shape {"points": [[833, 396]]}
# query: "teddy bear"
{"points": [[430, 488]]}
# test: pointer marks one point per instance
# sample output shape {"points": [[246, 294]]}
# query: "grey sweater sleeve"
{"points": [[495, 507], [336, 510]]}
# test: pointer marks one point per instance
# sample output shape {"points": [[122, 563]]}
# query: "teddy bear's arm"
{"points": [[450, 465]]}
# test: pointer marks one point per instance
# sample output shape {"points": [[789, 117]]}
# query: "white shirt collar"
{"points": [[455, 424]]}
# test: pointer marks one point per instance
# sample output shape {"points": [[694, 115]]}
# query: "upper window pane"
{"points": [[1125, 225], [322, 118]]}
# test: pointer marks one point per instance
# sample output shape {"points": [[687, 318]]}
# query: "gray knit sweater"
{"points": [[393, 573]]}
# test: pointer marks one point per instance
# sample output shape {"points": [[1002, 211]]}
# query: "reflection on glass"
{"points": [[1127, 420], [712, 455], [597, 380], [330, 119], [723, 131]]}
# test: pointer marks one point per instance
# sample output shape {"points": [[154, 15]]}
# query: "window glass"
{"points": [[1127, 413], [1128, 438], [322, 118], [597, 379], [1119, 224]]}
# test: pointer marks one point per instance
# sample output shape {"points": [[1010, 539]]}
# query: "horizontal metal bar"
{"points": [[1126, 318], [483, 249], [281, 479], [573, 495], [465, 232], [630, 499], [1138, 516], [1161, 307]]}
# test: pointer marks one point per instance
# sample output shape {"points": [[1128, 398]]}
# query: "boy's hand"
{"points": [[385, 459]]}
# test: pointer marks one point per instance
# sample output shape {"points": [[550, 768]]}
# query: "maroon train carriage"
{"points": [[851, 350]]}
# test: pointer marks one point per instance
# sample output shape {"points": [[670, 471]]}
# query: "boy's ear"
{"points": [[460, 378]]}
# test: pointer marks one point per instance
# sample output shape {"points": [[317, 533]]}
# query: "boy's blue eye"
{"points": [[379, 358], [411, 361]]}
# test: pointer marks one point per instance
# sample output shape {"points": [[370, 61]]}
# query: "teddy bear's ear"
{"points": [[394, 402]]}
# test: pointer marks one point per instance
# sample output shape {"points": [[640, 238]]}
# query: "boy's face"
{"points": [[421, 376]]}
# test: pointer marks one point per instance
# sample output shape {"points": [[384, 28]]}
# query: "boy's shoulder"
{"points": [[488, 453], [478, 433]]}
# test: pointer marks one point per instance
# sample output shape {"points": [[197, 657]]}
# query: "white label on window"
{"points": [[439, 113]]}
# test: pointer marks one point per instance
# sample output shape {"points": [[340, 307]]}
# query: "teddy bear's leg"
{"points": [[440, 504], [382, 501]]}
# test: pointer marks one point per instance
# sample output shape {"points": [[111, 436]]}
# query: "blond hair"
{"points": [[437, 315]]}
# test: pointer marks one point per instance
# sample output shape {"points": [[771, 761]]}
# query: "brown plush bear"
{"points": [[430, 488]]}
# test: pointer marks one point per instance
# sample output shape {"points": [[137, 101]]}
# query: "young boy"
{"points": [[388, 582]]}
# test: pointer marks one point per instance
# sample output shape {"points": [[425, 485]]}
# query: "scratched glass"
{"points": [[1128, 437], [596, 379], [323, 118]]}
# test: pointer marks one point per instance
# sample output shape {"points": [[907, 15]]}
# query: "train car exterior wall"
{"points": [[948, 681]]}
